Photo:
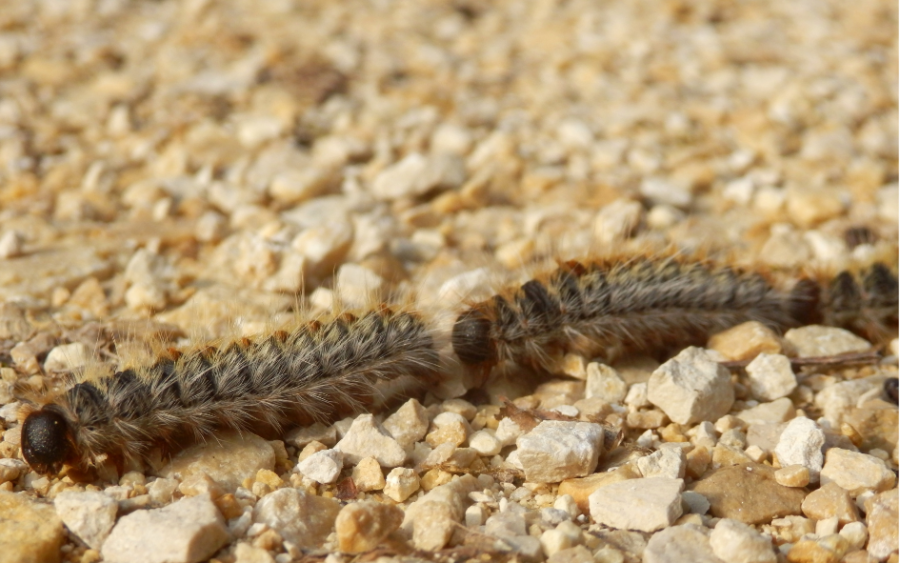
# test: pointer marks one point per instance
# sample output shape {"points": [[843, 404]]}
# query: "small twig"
{"points": [[850, 358]]}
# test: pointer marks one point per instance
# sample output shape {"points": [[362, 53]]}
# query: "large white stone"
{"points": [[815, 340], [801, 444], [691, 388], [227, 460], [665, 462], [555, 450], [187, 531], [323, 467], [645, 505]]}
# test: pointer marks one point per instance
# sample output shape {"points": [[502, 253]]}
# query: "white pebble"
{"points": [[665, 462], [189, 530], [485, 443], [400, 483], [367, 439], [771, 377], [604, 383], [323, 467], [557, 450], [801, 444], [645, 505], [88, 515], [737, 542], [691, 388]]}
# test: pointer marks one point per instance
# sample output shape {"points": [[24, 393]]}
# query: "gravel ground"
{"points": [[173, 173]]}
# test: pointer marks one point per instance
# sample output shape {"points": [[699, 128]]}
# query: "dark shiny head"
{"points": [[46, 441], [472, 340]]}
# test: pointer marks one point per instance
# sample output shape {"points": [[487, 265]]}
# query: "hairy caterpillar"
{"points": [[650, 304], [317, 372]]}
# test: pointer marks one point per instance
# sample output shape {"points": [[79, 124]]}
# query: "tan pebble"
{"points": [[792, 476], [400, 483], [409, 424], [361, 526], [828, 501], [228, 460], [649, 419], [367, 475], [452, 432], [808, 207], [229, 506], [698, 461], [269, 478], [198, 484], [882, 523], [310, 449], [247, 553], [745, 341], [748, 493], [435, 478], [829, 549]]}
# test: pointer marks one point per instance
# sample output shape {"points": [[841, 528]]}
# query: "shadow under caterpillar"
{"points": [[654, 304], [318, 372]]}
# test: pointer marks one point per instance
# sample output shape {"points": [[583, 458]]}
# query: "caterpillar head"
{"points": [[46, 441], [472, 340]]}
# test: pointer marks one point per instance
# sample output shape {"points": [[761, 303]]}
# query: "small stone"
{"points": [[11, 243], [801, 444], [574, 365], [358, 286], [189, 530], [361, 526], [736, 542], [367, 439], [748, 493], [507, 524], [311, 449], [856, 535], [830, 500], [691, 387], [433, 518], [557, 450], [485, 443], [67, 357], [409, 424], [645, 505], [815, 340], [295, 186], [688, 542], [367, 475], [322, 467], [649, 419], [771, 377], [323, 247], [856, 472], [161, 489], [839, 400], [228, 460], [416, 174], [779, 410], [829, 549], [577, 554], [666, 462], [554, 541], [745, 341], [581, 489], [450, 428], [88, 515], [617, 221], [401, 483], [30, 531], [637, 396], [881, 521], [318, 432], [604, 383], [695, 502], [792, 476], [246, 553], [877, 426], [810, 206], [300, 518]]}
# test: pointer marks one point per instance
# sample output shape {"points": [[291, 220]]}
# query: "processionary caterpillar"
{"points": [[324, 370], [317, 372], [653, 304]]}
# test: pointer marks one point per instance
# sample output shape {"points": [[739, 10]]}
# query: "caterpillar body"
{"points": [[652, 304], [318, 372]]}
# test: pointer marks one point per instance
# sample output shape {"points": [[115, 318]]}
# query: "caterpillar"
{"points": [[314, 373], [606, 308]]}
